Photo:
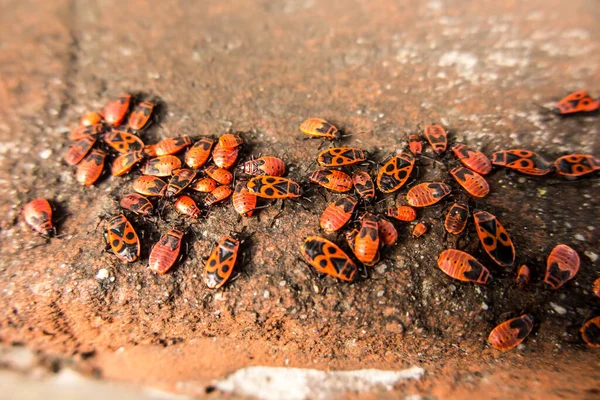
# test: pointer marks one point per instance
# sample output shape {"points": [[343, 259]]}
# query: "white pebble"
{"points": [[380, 293], [559, 309], [484, 306], [45, 154], [591, 255], [580, 237], [282, 283], [266, 294], [102, 274]]}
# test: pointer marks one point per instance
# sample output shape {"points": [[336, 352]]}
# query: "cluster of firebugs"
{"points": [[167, 176]]}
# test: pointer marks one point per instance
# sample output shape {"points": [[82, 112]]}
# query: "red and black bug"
{"points": [[83, 131], [149, 150], [219, 266], [116, 110], [576, 102], [185, 205], [220, 175], [387, 232], [90, 169], [471, 181], [590, 332], [337, 214], [427, 193], [123, 239], [562, 266], [351, 238], [38, 215], [363, 185], [366, 244], [149, 185], [414, 144], [274, 187], [472, 159], [123, 142], [78, 150], [576, 165], [171, 146], [180, 179], [125, 162], [139, 117], [419, 230], [165, 252], [494, 238], [199, 153], [462, 266], [395, 172], [204, 185], [326, 257], [525, 161], [91, 118], [511, 333], [217, 195], [332, 179], [402, 213], [244, 202], [523, 276], [265, 165], [138, 204], [339, 156], [161, 166], [225, 157], [437, 137], [317, 127], [231, 140], [457, 218]]}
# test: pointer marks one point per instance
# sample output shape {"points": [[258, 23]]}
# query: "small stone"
{"points": [[381, 268], [266, 294], [102, 274], [45, 154], [591, 255], [590, 228], [521, 180], [559, 309], [580, 237], [484, 306], [380, 293], [282, 283]]}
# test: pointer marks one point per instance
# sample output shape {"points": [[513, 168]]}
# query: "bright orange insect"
{"points": [[427, 194], [149, 185], [437, 137], [172, 146], [274, 187], [220, 175], [576, 102], [332, 179], [139, 117], [494, 238], [462, 266], [524, 161], [395, 172], [138, 204], [511, 333], [402, 213], [244, 202], [590, 332], [337, 214], [326, 257], [523, 275], [472, 159], [123, 142], [217, 195], [78, 150], [457, 218], [204, 185], [597, 287], [414, 144], [419, 230], [366, 244], [339, 156], [562, 266], [161, 166], [180, 179], [225, 157], [116, 110], [199, 153], [38, 215], [83, 131], [123, 239], [91, 118], [125, 162], [317, 127], [90, 169], [576, 165], [231, 140], [471, 181], [185, 205], [219, 266], [351, 238], [387, 232], [149, 150], [265, 165], [363, 185], [164, 253]]}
